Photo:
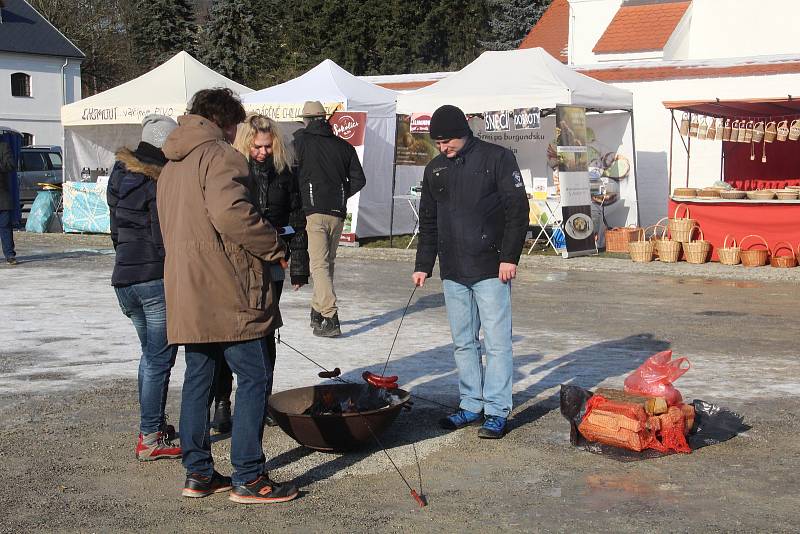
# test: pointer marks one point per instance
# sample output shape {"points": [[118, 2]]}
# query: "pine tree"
{"points": [[161, 29], [511, 20], [227, 40]]}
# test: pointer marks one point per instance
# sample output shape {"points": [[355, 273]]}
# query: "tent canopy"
{"points": [[515, 79], [330, 84], [166, 90]]}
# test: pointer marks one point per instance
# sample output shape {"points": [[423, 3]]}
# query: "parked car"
{"points": [[38, 164]]}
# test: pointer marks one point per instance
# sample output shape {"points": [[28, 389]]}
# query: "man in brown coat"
{"points": [[219, 297]]}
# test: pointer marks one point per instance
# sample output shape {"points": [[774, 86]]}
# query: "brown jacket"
{"points": [[216, 244]]}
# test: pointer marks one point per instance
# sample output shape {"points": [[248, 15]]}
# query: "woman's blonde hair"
{"points": [[282, 154]]}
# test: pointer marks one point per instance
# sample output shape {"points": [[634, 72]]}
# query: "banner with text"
{"points": [[352, 127]]}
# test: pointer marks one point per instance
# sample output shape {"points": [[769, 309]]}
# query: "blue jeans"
{"points": [[145, 306], [248, 362], [487, 302], [7, 234]]}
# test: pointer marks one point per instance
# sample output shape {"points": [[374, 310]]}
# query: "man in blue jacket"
{"points": [[474, 217]]}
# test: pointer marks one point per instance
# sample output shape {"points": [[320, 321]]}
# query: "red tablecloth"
{"points": [[774, 222]]}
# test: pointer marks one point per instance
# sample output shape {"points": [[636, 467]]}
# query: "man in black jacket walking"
{"points": [[474, 217], [329, 173]]}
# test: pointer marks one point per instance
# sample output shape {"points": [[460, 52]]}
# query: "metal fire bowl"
{"points": [[336, 432]]}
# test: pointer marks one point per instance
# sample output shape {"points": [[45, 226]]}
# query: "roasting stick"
{"points": [[398, 331]]}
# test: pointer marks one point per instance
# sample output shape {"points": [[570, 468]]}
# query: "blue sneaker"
{"points": [[459, 419], [494, 427]]}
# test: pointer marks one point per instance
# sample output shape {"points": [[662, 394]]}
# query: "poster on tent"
{"points": [[573, 172], [352, 127], [413, 144]]}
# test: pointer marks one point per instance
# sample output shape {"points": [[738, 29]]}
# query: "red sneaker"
{"points": [[156, 446]]}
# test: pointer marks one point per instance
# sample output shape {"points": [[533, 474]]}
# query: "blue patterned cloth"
{"points": [[85, 208], [43, 209]]}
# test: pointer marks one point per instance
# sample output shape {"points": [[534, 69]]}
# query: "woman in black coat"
{"points": [[275, 193]]}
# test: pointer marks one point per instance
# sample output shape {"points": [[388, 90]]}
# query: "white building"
{"points": [[40, 70], [669, 50]]}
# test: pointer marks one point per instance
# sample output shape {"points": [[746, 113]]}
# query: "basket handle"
{"points": [[741, 243], [691, 233], [781, 245], [725, 243], [644, 232], [675, 215]]}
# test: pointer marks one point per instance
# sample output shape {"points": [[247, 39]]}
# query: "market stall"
{"points": [[511, 99], [97, 126], [338, 90], [757, 189]]}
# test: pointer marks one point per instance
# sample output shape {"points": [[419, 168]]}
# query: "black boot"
{"points": [[329, 327], [316, 319], [222, 417]]}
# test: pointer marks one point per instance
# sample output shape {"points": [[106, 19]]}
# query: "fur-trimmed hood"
{"points": [[135, 164]]}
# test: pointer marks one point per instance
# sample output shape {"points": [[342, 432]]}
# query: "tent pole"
{"points": [[394, 180], [671, 135], [635, 171], [689, 150]]}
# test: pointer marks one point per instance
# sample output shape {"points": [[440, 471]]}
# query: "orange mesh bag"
{"points": [[620, 424], [688, 416], [673, 426]]}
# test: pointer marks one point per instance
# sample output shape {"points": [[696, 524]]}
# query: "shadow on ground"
{"points": [[586, 367]]}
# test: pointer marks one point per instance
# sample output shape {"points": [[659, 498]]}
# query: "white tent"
{"points": [[515, 79], [335, 87], [96, 127], [528, 78]]}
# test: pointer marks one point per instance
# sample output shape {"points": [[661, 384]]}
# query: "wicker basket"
{"points": [[668, 251], [680, 229], [617, 239], [761, 194], [685, 192], [641, 250], [786, 194], [733, 194], [697, 250], [782, 261], [754, 257], [729, 255], [708, 192]]}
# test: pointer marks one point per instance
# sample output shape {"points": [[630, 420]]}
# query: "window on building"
{"points": [[20, 84], [27, 139]]}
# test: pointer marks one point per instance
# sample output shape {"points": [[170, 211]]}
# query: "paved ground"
{"points": [[67, 393]]}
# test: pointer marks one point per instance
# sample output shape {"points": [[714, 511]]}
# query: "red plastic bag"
{"points": [[656, 375]]}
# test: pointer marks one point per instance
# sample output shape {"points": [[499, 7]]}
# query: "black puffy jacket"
{"points": [[135, 230], [329, 171], [473, 213], [277, 197]]}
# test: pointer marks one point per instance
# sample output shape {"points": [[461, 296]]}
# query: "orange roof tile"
{"points": [[551, 32], [644, 74], [641, 27]]}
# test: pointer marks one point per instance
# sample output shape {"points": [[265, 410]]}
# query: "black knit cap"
{"points": [[449, 122]]}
